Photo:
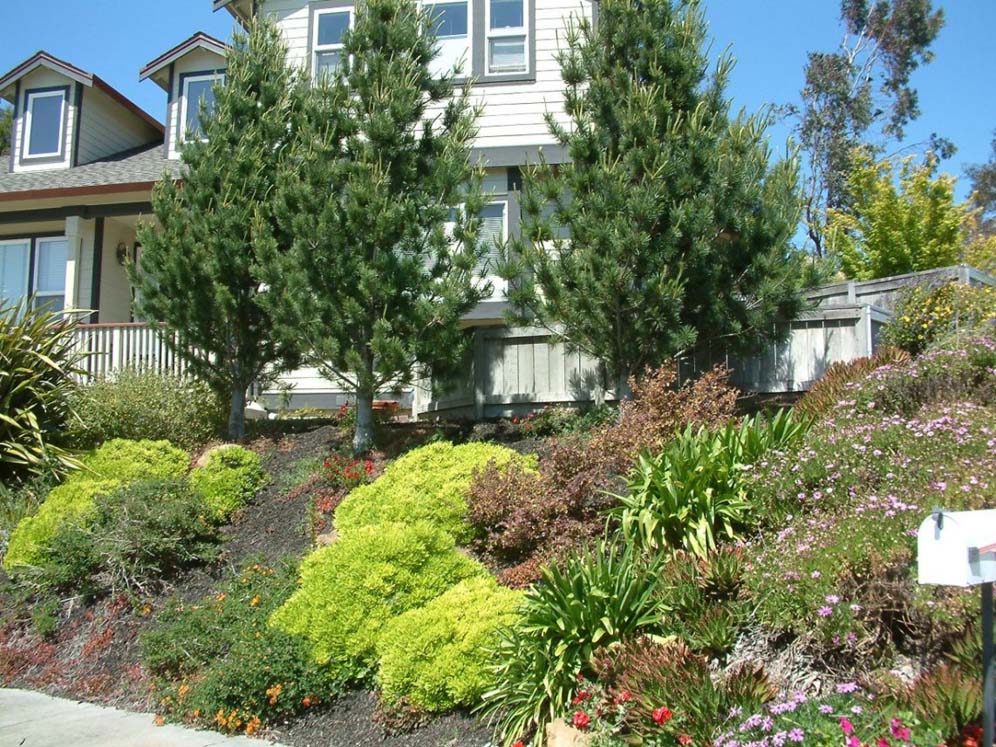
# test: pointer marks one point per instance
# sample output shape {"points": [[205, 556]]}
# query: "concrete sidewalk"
{"points": [[29, 719]]}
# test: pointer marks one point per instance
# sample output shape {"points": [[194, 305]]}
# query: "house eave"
{"points": [[200, 40]]}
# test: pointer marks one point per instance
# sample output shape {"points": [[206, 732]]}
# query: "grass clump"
{"points": [[436, 657], [352, 588], [229, 480], [116, 463], [428, 484]]}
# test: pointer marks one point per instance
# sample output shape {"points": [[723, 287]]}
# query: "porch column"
{"points": [[79, 258]]}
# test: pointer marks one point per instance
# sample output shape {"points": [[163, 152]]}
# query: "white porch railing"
{"points": [[108, 348]]}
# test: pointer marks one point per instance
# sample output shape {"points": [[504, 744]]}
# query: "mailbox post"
{"points": [[958, 548]]}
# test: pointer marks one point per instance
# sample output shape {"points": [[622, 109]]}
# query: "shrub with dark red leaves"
{"points": [[523, 518]]}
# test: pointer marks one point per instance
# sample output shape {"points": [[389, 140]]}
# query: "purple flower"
{"points": [[825, 709], [832, 599], [825, 611], [848, 687], [797, 735]]}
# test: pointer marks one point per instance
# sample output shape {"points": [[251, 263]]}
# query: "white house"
{"points": [[84, 160]]}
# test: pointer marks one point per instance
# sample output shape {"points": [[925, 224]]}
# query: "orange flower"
{"points": [[159, 721]]}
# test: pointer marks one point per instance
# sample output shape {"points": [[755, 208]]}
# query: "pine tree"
{"points": [[196, 269], [669, 227], [382, 204]]}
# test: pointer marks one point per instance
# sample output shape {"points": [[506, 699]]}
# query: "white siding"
{"points": [[199, 60], [44, 78], [513, 112], [107, 128]]}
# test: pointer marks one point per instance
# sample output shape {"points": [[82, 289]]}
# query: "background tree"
{"points": [[373, 283], [892, 228], [6, 123], [669, 226], [861, 94], [983, 177], [195, 273]]}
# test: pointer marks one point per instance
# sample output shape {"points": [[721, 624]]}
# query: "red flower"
{"points": [[581, 720], [520, 743], [623, 697], [579, 677], [662, 715], [684, 739], [581, 697]]}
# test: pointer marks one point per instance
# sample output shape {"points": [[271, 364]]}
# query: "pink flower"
{"points": [[846, 726], [853, 742]]}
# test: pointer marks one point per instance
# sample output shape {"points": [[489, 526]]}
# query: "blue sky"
{"points": [[770, 38]]}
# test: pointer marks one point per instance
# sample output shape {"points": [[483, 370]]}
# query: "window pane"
{"points": [[507, 14], [508, 55], [46, 125], [492, 234], [50, 273], [327, 63], [331, 27], [13, 272], [197, 91], [51, 303], [450, 18]]}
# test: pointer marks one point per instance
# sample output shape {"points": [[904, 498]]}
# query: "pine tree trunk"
{"points": [[363, 437], [623, 392], [237, 412]]}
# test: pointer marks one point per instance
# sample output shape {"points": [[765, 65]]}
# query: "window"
{"points": [[44, 123], [15, 258], [330, 28], [197, 90], [50, 274], [453, 34], [493, 233], [507, 36]]}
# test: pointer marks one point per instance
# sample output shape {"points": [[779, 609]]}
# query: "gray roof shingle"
{"points": [[144, 164]]}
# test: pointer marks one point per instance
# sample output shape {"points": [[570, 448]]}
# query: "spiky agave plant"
{"points": [[38, 361]]}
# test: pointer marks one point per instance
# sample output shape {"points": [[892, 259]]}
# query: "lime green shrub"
{"points": [[350, 589], [230, 479], [436, 657], [426, 484], [187, 412], [115, 463]]}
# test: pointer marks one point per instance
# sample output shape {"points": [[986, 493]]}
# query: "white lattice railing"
{"points": [[109, 348]]}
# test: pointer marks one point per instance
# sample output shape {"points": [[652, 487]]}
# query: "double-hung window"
{"points": [[44, 123], [198, 96], [452, 22], [330, 27], [507, 36], [50, 274]]}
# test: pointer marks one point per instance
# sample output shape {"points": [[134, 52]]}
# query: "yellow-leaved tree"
{"points": [[897, 225]]}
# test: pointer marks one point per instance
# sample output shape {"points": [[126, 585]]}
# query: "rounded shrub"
{"points": [[116, 463], [436, 657], [187, 412], [350, 589], [430, 484], [229, 480]]}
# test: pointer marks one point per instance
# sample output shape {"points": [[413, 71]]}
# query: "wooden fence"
{"points": [[108, 348]]}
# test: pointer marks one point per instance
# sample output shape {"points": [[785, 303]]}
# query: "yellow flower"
{"points": [[254, 601]]}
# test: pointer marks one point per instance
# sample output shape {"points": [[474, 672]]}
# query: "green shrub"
{"points": [[840, 379], [436, 657], [926, 314], [38, 360], [350, 589], [430, 484], [590, 600], [217, 662], [20, 499], [229, 480], [139, 533], [115, 463], [692, 496], [184, 412]]}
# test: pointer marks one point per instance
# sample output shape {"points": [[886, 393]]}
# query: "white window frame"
{"points": [[215, 77], [27, 267], [468, 60], [36, 254], [509, 33], [316, 48], [29, 98]]}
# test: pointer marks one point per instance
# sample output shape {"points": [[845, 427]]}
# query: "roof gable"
{"points": [[158, 69]]}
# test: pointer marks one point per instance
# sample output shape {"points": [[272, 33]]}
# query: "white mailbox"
{"points": [[957, 548]]}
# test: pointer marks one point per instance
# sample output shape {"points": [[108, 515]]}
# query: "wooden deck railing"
{"points": [[108, 348]]}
